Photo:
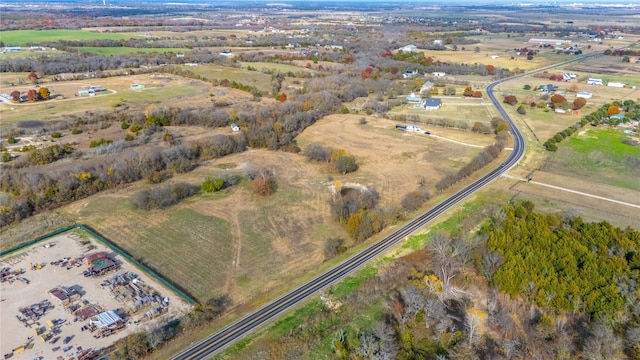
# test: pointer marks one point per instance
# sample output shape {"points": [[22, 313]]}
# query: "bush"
{"points": [[333, 247], [76, 131], [317, 152], [264, 185], [511, 100], [12, 140], [162, 197], [527, 87], [212, 185], [102, 141], [521, 110], [129, 137], [346, 164], [124, 126], [56, 134], [414, 200], [158, 176]]}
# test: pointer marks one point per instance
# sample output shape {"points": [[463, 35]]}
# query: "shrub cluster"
{"points": [[162, 196]]}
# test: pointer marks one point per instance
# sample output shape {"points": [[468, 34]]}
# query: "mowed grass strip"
{"points": [[599, 155], [24, 37], [189, 249], [107, 51]]}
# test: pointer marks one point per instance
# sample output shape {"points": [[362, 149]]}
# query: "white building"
{"points": [[409, 48], [616, 84], [584, 95], [593, 81]]}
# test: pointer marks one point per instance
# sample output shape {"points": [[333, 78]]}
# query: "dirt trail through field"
{"points": [[574, 191], [456, 141], [230, 284]]}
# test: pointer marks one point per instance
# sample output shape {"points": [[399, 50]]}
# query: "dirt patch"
{"points": [[18, 294]]}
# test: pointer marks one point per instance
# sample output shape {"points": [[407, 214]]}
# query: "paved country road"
{"points": [[250, 322]]}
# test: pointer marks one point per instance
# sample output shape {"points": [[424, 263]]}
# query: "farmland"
{"points": [[107, 51], [26, 37], [599, 155]]}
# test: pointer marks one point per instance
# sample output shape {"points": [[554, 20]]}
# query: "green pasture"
{"points": [[26, 37], [599, 155], [108, 51], [216, 72], [166, 241], [283, 68]]}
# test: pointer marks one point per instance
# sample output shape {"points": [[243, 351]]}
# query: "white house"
{"points": [[413, 98], [432, 104], [616, 84], [409, 48], [409, 73], [413, 128], [438, 74], [593, 81]]}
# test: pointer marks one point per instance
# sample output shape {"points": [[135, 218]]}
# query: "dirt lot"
{"points": [[18, 294]]}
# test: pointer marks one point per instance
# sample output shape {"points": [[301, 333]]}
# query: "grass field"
{"points": [[599, 155], [107, 51], [24, 37], [188, 92], [31, 54], [455, 108], [248, 245], [216, 72], [284, 68]]}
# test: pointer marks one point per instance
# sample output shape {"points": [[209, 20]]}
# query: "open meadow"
{"points": [[598, 154], [25, 37], [241, 75], [248, 245], [65, 102]]}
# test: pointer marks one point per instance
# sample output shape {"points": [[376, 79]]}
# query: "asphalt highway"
{"points": [[250, 322]]}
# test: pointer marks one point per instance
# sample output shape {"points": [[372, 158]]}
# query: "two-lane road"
{"points": [[245, 325]]}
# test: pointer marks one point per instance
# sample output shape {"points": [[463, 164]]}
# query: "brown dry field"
{"points": [[260, 240], [608, 67], [553, 201], [17, 294]]}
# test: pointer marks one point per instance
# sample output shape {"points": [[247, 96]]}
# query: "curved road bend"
{"points": [[248, 323]]}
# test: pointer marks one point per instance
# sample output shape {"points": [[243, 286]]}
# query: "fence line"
{"points": [[111, 246]]}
